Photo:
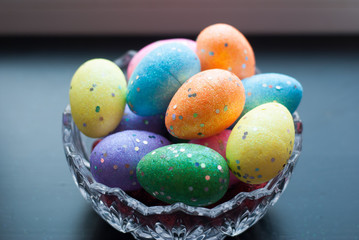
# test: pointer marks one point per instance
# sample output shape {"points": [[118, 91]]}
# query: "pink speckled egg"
{"points": [[218, 143], [144, 51]]}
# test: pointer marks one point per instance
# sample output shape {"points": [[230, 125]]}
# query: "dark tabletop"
{"points": [[39, 200]]}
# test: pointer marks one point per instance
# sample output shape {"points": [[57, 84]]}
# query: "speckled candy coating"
{"points": [[97, 97], [270, 87], [188, 173], [114, 160], [144, 51], [158, 76], [223, 46], [261, 143], [205, 105], [131, 121], [218, 143]]}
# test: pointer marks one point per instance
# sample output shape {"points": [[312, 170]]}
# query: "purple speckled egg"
{"points": [[114, 160], [131, 121]]}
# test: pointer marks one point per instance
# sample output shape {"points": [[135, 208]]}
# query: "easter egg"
{"points": [[94, 144], [97, 97], [218, 143], [188, 173], [261, 143], [158, 76], [272, 87], [131, 121], [223, 46], [246, 187], [205, 105], [114, 160], [144, 51]]}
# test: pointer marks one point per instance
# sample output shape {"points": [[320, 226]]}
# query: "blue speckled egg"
{"points": [[158, 76], [114, 160], [131, 121], [272, 87]]}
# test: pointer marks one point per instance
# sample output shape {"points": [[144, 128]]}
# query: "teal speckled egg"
{"points": [[158, 76], [193, 174], [272, 87]]}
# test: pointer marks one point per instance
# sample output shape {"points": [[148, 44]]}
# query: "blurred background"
{"points": [[149, 17], [43, 42]]}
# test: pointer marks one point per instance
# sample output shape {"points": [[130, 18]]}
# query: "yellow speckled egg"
{"points": [[97, 97], [261, 143]]}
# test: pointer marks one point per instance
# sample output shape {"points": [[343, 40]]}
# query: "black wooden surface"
{"points": [[38, 199]]}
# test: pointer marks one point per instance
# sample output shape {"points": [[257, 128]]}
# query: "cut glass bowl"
{"points": [[147, 218]]}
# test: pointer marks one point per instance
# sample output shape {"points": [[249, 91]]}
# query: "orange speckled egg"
{"points": [[223, 46], [205, 105]]}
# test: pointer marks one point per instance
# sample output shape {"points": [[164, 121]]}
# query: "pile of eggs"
{"points": [[190, 119]]}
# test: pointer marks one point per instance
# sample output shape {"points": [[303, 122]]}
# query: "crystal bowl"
{"points": [[147, 218]]}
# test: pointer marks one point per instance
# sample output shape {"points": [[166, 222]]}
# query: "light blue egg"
{"points": [[158, 76], [271, 87]]}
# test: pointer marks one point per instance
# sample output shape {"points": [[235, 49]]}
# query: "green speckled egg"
{"points": [[261, 143], [98, 97], [193, 174]]}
